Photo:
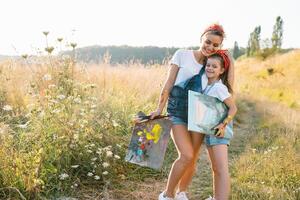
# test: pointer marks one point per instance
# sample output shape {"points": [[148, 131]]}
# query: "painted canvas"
{"points": [[149, 142], [205, 113]]}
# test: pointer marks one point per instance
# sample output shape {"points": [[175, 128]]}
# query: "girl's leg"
{"points": [[219, 163], [197, 139], [183, 143]]}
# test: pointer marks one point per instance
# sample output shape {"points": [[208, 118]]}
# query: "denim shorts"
{"points": [[178, 121], [211, 140]]}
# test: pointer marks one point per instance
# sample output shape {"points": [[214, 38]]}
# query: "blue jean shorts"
{"points": [[211, 140], [178, 121]]}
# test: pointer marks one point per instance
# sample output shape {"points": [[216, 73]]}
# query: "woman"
{"points": [[184, 65]]}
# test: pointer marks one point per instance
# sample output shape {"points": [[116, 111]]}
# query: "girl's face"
{"points": [[210, 44], [213, 68]]}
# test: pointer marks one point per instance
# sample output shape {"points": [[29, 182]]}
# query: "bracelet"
{"points": [[227, 120]]}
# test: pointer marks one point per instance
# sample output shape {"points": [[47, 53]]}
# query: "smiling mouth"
{"points": [[208, 52]]}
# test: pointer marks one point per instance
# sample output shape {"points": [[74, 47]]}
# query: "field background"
{"points": [[65, 127]]}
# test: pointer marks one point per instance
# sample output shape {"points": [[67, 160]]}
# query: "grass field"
{"points": [[65, 127]]}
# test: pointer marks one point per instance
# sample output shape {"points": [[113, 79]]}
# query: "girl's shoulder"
{"points": [[220, 91], [220, 86]]}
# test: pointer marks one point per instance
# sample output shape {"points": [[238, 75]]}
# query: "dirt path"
{"points": [[201, 186]]}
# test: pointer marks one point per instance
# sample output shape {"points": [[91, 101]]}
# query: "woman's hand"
{"points": [[155, 114], [220, 130]]}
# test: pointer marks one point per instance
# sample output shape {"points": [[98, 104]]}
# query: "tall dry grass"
{"points": [[65, 126]]}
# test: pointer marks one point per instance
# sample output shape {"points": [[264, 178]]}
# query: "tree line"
{"points": [[160, 55]]}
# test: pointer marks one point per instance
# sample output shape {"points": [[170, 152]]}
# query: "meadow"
{"points": [[65, 127]]}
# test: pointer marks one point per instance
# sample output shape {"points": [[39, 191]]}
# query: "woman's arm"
{"points": [[164, 95], [231, 71]]}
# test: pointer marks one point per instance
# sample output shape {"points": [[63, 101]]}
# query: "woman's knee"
{"points": [[186, 158]]}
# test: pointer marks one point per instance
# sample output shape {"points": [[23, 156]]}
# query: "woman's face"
{"points": [[210, 44]]}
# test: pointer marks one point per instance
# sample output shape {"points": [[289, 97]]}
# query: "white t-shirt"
{"points": [[188, 66], [218, 90]]}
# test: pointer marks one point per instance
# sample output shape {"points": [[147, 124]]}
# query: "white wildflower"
{"points": [[109, 154], [76, 136], [105, 164], [54, 136], [93, 106], [7, 108], [90, 174], [77, 100], [63, 176], [117, 157], [89, 151], [74, 166], [115, 124], [105, 173], [47, 77], [96, 177], [94, 159], [61, 96], [23, 126]]}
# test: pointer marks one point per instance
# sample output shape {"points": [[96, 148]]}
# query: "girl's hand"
{"points": [[220, 130], [155, 114]]}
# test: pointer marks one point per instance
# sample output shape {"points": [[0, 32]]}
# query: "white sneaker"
{"points": [[163, 197], [181, 196]]}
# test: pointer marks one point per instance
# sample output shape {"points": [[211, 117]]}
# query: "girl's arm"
{"points": [[230, 103], [164, 95]]}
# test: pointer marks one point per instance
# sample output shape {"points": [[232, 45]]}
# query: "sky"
{"points": [[164, 23]]}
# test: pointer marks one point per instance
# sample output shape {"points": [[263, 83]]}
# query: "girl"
{"points": [[216, 70], [184, 65]]}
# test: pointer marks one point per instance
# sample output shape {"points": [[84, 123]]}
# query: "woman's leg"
{"points": [[197, 139], [219, 163], [183, 143]]}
